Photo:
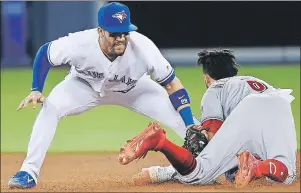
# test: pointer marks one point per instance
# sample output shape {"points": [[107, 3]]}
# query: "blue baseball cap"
{"points": [[115, 17]]}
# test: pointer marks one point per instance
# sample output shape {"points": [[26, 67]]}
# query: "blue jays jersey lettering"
{"points": [[93, 74], [123, 79], [81, 50]]}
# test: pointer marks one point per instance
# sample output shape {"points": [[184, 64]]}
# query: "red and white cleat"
{"points": [[151, 138]]}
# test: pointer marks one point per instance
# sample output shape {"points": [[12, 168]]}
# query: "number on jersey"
{"points": [[257, 86]]}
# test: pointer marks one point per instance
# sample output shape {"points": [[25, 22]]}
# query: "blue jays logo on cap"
{"points": [[115, 17], [120, 16]]}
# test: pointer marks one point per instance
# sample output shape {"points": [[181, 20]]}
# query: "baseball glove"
{"points": [[195, 140]]}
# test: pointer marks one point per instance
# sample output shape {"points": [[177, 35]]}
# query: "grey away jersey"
{"points": [[224, 95]]}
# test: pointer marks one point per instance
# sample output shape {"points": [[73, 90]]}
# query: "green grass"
{"points": [[106, 128]]}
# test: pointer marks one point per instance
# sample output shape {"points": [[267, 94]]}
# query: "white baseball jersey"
{"points": [[224, 95], [94, 81], [82, 51]]}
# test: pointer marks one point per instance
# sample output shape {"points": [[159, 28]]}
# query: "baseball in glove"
{"points": [[195, 140]]}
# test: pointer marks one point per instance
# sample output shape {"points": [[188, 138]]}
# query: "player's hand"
{"points": [[203, 131], [35, 97]]}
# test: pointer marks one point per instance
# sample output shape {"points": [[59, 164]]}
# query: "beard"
{"points": [[118, 48]]}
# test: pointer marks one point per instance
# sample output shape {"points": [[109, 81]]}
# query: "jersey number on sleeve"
{"points": [[257, 86]]}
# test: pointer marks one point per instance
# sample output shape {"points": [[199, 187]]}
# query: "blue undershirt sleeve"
{"points": [[41, 67]]}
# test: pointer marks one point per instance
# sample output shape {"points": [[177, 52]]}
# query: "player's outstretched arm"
{"points": [[180, 99], [41, 68], [164, 74]]}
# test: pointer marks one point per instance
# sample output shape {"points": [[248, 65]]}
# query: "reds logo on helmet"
{"points": [[120, 16]]}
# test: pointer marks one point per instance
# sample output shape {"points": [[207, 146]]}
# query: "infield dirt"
{"points": [[102, 173]]}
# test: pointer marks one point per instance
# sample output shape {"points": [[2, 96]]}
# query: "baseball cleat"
{"points": [[154, 174], [247, 166], [151, 138], [21, 180]]}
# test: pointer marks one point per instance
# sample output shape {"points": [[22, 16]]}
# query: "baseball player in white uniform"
{"points": [[240, 115], [112, 65]]}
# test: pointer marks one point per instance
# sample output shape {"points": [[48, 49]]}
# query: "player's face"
{"points": [[116, 43]]}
